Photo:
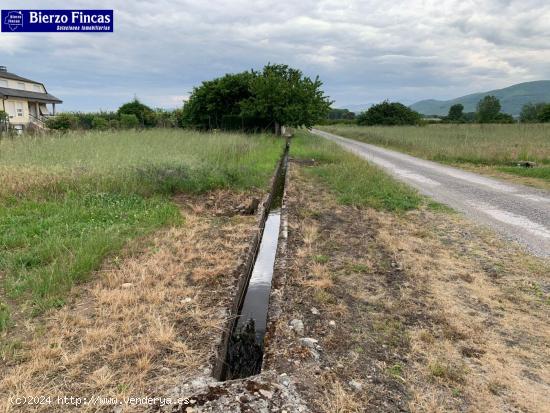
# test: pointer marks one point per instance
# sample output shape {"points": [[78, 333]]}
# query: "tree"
{"points": [[488, 109], [336, 114], [531, 112], [284, 96], [214, 99], [544, 114], [277, 95], [456, 113], [144, 113], [389, 113]]}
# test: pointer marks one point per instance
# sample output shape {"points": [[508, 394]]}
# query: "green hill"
{"points": [[512, 99]]}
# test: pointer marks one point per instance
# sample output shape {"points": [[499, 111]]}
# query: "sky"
{"points": [[364, 51]]}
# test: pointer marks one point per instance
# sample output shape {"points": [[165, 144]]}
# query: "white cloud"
{"points": [[364, 50]]}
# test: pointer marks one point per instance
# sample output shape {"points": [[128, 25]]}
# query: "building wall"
{"points": [[20, 85], [11, 105]]}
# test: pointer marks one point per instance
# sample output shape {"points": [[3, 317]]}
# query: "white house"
{"points": [[25, 101]]}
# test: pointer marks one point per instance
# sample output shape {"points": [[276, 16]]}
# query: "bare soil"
{"points": [[150, 319], [420, 312]]}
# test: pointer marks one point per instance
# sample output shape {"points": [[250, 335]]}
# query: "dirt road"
{"points": [[518, 212]]}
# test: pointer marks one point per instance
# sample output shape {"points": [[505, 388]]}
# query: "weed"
{"points": [[355, 181], [67, 202], [396, 370], [321, 259], [4, 315], [447, 370]]}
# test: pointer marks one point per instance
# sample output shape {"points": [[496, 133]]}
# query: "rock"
{"points": [[314, 311], [298, 326], [526, 164], [309, 342], [266, 393], [355, 385], [186, 300], [332, 323], [127, 285]]}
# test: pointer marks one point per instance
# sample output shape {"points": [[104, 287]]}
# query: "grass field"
{"points": [[66, 202], [498, 146], [355, 181]]}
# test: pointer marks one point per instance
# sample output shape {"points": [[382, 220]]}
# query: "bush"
{"points": [[128, 121], [143, 113], [63, 122], [389, 113], [544, 115], [531, 112], [100, 123]]}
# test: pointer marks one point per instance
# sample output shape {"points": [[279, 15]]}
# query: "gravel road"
{"points": [[518, 212]]}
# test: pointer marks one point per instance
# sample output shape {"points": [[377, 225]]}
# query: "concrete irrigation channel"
{"points": [[241, 351], [236, 381]]}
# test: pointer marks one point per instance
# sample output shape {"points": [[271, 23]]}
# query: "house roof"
{"points": [[13, 76], [36, 96]]}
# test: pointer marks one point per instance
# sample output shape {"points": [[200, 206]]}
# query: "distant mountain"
{"points": [[511, 98], [357, 108]]}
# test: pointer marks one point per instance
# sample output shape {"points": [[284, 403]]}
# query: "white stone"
{"points": [[297, 326], [309, 342]]}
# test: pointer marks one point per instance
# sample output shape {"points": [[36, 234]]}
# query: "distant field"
{"points": [[66, 202], [487, 145]]}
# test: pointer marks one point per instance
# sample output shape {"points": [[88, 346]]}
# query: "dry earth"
{"points": [[150, 319], [420, 312]]}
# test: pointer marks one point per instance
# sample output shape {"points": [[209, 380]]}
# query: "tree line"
{"points": [[248, 101], [488, 110]]}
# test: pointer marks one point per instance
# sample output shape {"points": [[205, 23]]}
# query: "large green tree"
{"points": [[389, 113], [215, 100], [284, 96], [488, 109], [267, 99]]}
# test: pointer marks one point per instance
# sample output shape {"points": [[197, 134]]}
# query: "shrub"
{"points": [[63, 122], [143, 113], [100, 123], [531, 112], [389, 113], [128, 121], [544, 115]]}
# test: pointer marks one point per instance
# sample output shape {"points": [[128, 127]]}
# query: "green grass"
{"points": [[473, 144], [353, 180], [538, 172], [69, 201]]}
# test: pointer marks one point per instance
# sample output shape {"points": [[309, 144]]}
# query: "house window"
{"points": [[10, 108], [37, 88], [19, 109], [21, 85], [3, 83]]}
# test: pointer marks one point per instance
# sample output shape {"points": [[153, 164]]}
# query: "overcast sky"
{"points": [[364, 51]]}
